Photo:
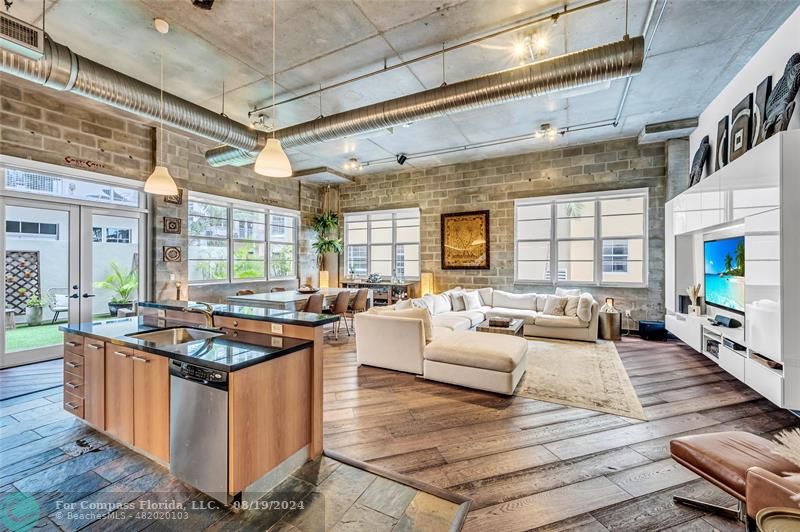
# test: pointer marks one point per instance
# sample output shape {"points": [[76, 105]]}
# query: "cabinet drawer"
{"points": [[764, 380], [73, 404], [73, 342], [73, 363], [118, 351], [234, 324], [92, 346], [74, 385], [732, 362]]}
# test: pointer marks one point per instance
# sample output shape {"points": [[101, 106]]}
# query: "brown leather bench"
{"points": [[725, 459]]}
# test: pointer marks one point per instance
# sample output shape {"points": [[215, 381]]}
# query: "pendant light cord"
{"points": [[274, 109], [161, 111]]}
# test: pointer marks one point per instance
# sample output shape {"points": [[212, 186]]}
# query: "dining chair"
{"points": [[339, 308], [277, 289], [313, 304], [245, 292], [359, 305]]}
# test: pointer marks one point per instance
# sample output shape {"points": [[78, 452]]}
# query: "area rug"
{"points": [[583, 374]]}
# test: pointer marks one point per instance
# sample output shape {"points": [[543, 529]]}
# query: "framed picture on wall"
{"points": [[172, 225], [763, 91], [721, 155], [465, 241]]}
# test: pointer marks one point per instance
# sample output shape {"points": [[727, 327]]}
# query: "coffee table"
{"points": [[514, 328]]}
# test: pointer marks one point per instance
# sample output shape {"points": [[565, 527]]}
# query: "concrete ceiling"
{"points": [[697, 48]]}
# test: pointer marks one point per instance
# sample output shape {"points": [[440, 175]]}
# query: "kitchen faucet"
{"points": [[207, 311]]}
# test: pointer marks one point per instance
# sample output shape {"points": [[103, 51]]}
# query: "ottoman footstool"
{"points": [[485, 361]]}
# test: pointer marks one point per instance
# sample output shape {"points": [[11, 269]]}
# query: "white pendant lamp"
{"points": [[272, 161], [160, 182]]}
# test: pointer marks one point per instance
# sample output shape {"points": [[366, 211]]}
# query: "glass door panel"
{"points": [[112, 263], [39, 275]]}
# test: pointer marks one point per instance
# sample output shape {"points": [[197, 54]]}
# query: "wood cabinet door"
{"points": [[151, 404], [94, 404], [119, 392]]}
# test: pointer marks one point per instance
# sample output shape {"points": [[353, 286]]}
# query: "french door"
{"points": [[65, 263]]}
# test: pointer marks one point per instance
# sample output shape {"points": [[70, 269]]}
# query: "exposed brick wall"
{"points": [[494, 184], [49, 126]]}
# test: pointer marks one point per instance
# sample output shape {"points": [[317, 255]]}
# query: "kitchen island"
{"points": [[231, 403]]}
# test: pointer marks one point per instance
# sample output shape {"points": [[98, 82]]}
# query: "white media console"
{"points": [[758, 196]]}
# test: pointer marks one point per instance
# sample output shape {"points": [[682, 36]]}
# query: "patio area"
{"points": [[26, 336]]}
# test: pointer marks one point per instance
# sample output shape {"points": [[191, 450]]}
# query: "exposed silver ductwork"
{"points": [[63, 70], [593, 65]]}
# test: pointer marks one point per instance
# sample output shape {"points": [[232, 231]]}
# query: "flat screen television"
{"points": [[724, 273]]}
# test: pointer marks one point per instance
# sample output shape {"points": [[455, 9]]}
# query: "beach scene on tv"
{"points": [[724, 273]]}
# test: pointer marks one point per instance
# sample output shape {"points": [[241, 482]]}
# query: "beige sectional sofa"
{"points": [[528, 307], [433, 337]]}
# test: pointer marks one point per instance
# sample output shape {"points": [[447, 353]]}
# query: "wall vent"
{"points": [[20, 37]]}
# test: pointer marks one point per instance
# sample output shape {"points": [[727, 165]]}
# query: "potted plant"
{"points": [[324, 224], [33, 310], [124, 284]]}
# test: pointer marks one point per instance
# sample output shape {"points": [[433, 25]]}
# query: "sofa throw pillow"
{"points": [[585, 302], [472, 300], [457, 301], [430, 301], [486, 295], [554, 306], [568, 292], [412, 313], [541, 299], [571, 308], [403, 304], [441, 304], [420, 303]]}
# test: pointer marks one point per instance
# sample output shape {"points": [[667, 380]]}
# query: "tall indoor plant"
{"points": [[124, 284], [326, 225]]}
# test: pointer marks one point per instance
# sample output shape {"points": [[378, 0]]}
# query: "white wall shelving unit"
{"points": [[758, 196]]}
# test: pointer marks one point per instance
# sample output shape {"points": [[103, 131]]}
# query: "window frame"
{"points": [[396, 214], [230, 205], [597, 239]]}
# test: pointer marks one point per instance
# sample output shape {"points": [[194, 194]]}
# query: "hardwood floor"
{"points": [[21, 380], [525, 464], [529, 464]]}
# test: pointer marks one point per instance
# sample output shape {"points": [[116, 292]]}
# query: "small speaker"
{"points": [[725, 321]]}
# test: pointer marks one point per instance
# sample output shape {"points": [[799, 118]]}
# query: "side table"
{"points": [[610, 326]]}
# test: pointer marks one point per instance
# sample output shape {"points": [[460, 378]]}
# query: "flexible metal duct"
{"points": [[593, 65], [63, 70]]}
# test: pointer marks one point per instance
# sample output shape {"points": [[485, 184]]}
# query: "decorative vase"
{"points": [[694, 310], [33, 315]]}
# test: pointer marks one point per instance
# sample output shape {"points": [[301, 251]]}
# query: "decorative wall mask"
{"points": [[721, 157], [780, 104], [699, 161], [172, 225], [740, 127], [176, 199], [171, 253], [762, 94]]}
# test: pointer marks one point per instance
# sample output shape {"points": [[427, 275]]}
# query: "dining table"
{"points": [[292, 300]]}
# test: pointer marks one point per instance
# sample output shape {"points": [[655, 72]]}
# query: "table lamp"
{"points": [[426, 283], [324, 279]]}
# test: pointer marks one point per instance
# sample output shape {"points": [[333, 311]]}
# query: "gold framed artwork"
{"points": [[465, 241]]}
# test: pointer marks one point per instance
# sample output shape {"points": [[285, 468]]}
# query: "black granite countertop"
{"points": [[288, 317], [232, 351]]}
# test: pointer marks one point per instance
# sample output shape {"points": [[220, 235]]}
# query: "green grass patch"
{"points": [[31, 337]]}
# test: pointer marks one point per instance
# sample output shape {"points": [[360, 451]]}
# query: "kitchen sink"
{"points": [[175, 335]]}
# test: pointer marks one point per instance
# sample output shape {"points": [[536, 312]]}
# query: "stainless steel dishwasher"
{"points": [[198, 438]]}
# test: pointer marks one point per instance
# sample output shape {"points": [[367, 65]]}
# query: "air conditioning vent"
{"points": [[20, 37]]}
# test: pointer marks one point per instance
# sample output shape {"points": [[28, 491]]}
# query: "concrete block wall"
{"points": [[65, 129], [494, 184]]}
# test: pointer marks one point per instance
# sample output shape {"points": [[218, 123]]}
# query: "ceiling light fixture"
{"points": [[546, 131], [353, 164], [272, 161], [160, 182]]}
